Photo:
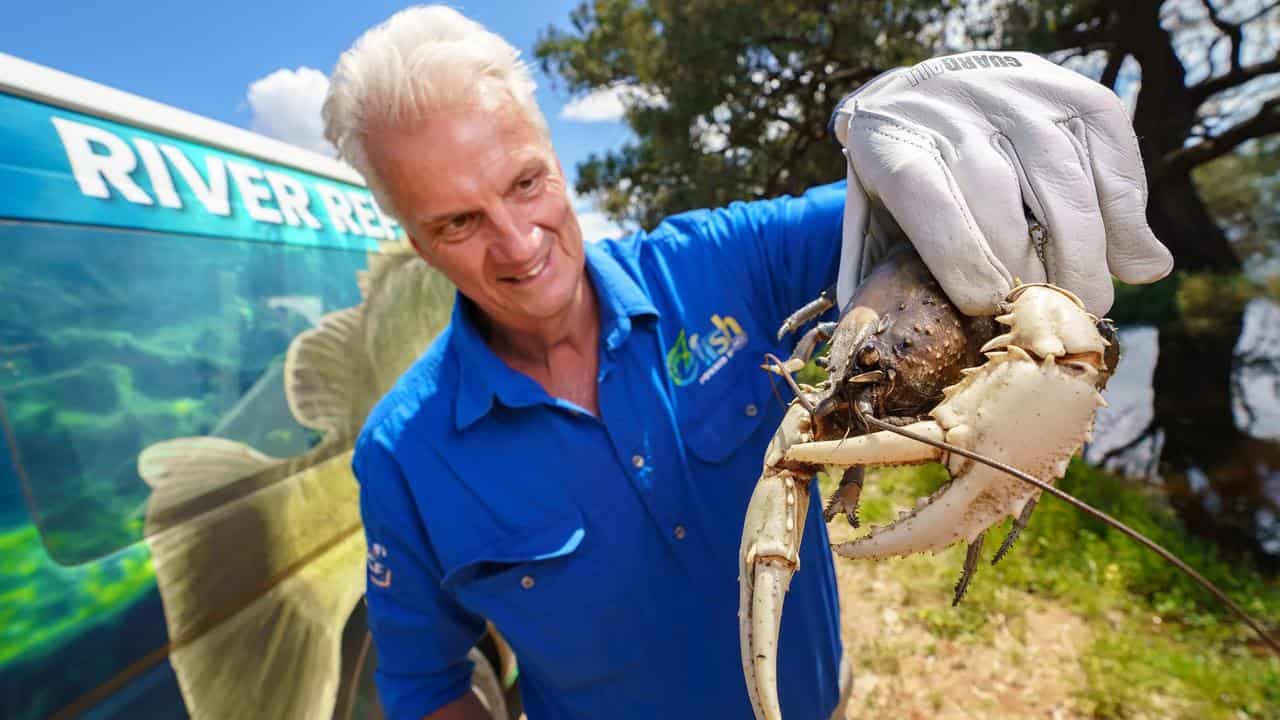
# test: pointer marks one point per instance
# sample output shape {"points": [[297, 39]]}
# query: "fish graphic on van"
{"points": [[215, 609]]}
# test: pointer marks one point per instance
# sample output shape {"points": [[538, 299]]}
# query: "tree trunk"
{"points": [[1179, 218], [1163, 118]]}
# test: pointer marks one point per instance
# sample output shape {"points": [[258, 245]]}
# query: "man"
{"points": [[572, 458]]}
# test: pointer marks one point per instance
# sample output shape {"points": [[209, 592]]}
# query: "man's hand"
{"points": [[951, 150]]}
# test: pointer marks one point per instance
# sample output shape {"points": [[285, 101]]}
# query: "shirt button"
{"points": [[526, 582], [751, 410], [638, 461], [679, 532]]}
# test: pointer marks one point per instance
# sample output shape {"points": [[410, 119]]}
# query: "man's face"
{"points": [[483, 198]]}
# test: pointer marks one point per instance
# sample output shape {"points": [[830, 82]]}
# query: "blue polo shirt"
{"points": [[605, 548]]}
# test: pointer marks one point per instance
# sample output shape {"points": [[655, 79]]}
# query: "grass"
{"points": [[1157, 646]]}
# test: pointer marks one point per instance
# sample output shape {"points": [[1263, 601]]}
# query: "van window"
{"points": [[113, 340]]}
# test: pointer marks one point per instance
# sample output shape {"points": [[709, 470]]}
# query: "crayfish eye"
{"points": [[868, 357]]}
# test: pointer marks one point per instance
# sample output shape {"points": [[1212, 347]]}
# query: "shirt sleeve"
{"points": [[783, 252], [421, 634]]}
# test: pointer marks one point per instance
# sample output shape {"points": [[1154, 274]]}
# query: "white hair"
{"points": [[418, 62]]}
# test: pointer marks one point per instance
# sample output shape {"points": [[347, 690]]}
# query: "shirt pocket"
{"points": [[570, 614], [718, 417]]}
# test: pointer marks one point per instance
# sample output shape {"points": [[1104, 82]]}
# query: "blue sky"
{"points": [[205, 58]]}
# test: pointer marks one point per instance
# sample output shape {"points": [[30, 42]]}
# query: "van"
{"points": [[194, 321]]}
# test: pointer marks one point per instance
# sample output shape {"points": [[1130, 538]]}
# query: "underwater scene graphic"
{"points": [[179, 527], [190, 339]]}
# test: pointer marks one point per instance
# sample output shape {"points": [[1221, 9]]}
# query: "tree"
{"points": [[730, 101], [1209, 82], [1242, 191]]}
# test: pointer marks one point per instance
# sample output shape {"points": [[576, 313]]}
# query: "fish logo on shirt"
{"points": [[699, 356], [379, 573], [681, 365]]}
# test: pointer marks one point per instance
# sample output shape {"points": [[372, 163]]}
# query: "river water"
{"points": [[1199, 417]]}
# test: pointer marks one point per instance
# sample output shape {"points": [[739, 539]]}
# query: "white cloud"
{"points": [[286, 106], [595, 225], [610, 104], [603, 105]]}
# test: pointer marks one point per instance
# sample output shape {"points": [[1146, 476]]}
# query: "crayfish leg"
{"points": [[845, 498], [810, 341], [810, 311], [1019, 524], [971, 557]]}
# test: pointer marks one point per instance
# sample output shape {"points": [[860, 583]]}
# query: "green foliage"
{"points": [[811, 374], [1139, 571], [1153, 304], [1162, 647], [733, 98], [1127, 671], [1210, 302], [1243, 192], [730, 100], [1200, 303]]}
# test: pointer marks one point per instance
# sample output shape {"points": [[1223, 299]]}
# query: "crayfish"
{"points": [[1022, 387]]}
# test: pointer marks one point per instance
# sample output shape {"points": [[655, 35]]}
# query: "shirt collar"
{"points": [[483, 376]]}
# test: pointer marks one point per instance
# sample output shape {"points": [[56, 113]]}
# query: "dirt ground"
{"points": [[1023, 667]]}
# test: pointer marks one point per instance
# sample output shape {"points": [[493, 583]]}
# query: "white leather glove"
{"points": [[949, 150]]}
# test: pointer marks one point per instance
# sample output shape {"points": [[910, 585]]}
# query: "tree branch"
{"points": [[1260, 13], [796, 151], [1110, 73], [1202, 90], [1231, 30], [1238, 74], [860, 74], [1265, 122], [1143, 436], [1208, 54], [1095, 31]]}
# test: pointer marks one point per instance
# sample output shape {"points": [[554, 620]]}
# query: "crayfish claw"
{"points": [[970, 567], [1019, 524], [768, 558]]}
